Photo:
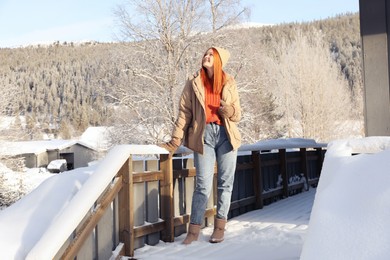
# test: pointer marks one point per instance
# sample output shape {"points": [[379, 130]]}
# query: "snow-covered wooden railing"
{"points": [[129, 202], [110, 181]]}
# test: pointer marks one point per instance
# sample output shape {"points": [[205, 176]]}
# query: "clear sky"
{"points": [[44, 21]]}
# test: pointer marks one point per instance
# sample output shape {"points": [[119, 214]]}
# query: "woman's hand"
{"points": [[172, 145], [225, 110]]}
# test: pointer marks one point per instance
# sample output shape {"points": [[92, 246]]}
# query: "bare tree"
{"points": [[163, 41], [226, 12]]}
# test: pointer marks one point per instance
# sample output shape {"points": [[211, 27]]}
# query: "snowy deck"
{"points": [[275, 232]]}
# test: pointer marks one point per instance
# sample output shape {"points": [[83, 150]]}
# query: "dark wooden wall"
{"points": [[374, 29]]}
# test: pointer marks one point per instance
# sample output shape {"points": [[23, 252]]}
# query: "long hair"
{"points": [[219, 77]]}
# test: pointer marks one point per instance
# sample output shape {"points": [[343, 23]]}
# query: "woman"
{"points": [[208, 111]]}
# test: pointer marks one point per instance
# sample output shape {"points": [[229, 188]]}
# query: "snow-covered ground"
{"points": [[275, 232], [348, 219]]}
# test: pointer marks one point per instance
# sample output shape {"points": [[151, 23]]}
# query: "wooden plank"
{"points": [[166, 189], [152, 204], [138, 211], [210, 212], [104, 232], [181, 220], [304, 163], [271, 162], [273, 193], [88, 249], [178, 196], [320, 160], [314, 181], [297, 186], [183, 173], [125, 209], [283, 171], [115, 238], [138, 166], [118, 252], [189, 187], [245, 165], [138, 200], [92, 220], [149, 228], [257, 179], [140, 177], [243, 202], [179, 207], [242, 192], [213, 199]]}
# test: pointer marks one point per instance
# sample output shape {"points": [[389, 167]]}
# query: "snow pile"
{"points": [[14, 185], [350, 216], [97, 138], [24, 222]]}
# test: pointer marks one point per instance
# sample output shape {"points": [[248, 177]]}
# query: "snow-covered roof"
{"points": [[36, 147]]}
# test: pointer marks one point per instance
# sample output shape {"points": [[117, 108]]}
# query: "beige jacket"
{"points": [[191, 120]]}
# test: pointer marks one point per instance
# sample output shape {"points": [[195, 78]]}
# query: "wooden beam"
{"points": [[166, 189], [257, 179], [304, 162], [92, 220], [283, 171], [125, 209]]}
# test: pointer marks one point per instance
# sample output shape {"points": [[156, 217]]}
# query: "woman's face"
{"points": [[208, 59]]}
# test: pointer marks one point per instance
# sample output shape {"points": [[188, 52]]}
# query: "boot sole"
{"points": [[214, 240]]}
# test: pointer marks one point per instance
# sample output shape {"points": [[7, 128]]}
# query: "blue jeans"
{"points": [[216, 147]]}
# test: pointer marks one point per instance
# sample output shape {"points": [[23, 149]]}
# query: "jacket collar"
{"points": [[198, 87]]}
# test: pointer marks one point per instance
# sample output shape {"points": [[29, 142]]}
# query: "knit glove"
{"points": [[225, 110], [172, 145]]}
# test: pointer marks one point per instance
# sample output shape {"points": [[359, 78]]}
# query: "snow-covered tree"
{"points": [[313, 95]]}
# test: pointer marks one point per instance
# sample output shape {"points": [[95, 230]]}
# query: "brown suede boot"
{"points": [[219, 230], [192, 234]]}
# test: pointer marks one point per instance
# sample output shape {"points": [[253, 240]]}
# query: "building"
{"points": [[38, 154]]}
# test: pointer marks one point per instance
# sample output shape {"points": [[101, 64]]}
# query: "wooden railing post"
{"points": [[257, 179], [283, 171], [167, 210], [126, 207], [320, 160], [152, 212], [304, 163], [189, 189]]}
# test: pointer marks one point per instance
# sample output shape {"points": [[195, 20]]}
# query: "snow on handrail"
{"points": [[282, 143], [271, 144]]}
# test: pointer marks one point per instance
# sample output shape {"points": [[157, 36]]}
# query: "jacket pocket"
{"points": [[234, 134]]}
